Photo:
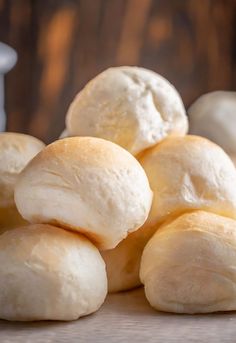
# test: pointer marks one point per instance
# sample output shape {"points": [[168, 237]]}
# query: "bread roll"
{"points": [[123, 262], [133, 107], [189, 265], [88, 185], [189, 173], [213, 115], [47, 273], [16, 150]]}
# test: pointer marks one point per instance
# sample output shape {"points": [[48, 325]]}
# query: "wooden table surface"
{"points": [[63, 44], [126, 317]]}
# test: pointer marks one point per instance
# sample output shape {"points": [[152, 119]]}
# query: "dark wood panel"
{"points": [[62, 44]]}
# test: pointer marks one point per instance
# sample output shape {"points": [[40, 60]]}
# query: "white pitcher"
{"points": [[8, 58]]}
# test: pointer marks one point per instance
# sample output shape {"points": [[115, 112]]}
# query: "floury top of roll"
{"points": [[133, 107], [88, 185]]}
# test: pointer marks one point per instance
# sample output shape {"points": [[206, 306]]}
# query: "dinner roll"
{"points": [[47, 273], [123, 262], [133, 107], [88, 185], [189, 265], [187, 173], [16, 150], [213, 115]]}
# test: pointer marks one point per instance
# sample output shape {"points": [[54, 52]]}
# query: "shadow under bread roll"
{"points": [[189, 265], [123, 262], [47, 273], [16, 150], [10, 218]]}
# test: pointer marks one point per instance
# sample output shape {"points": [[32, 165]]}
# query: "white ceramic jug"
{"points": [[8, 58]]}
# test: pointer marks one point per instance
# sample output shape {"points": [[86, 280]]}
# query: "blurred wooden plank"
{"points": [[110, 32], [83, 57], [132, 32], [62, 44], [18, 16], [86, 42], [54, 45], [190, 43]]}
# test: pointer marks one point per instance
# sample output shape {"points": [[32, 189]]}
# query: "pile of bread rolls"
{"points": [[124, 197], [78, 194]]}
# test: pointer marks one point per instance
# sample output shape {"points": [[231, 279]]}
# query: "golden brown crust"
{"points": [[88, 185]]}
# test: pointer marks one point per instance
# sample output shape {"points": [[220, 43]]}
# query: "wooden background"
{"points": [[63, 43]]}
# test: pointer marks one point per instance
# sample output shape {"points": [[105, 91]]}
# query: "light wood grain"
{"points": [[126, 317]]}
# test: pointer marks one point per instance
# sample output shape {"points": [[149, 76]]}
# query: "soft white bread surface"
{"points": [[133, 107], [47, 273], [189, 173], [189, 265], [213, 115], [16, 150], [88, 185], [123, 262]]}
